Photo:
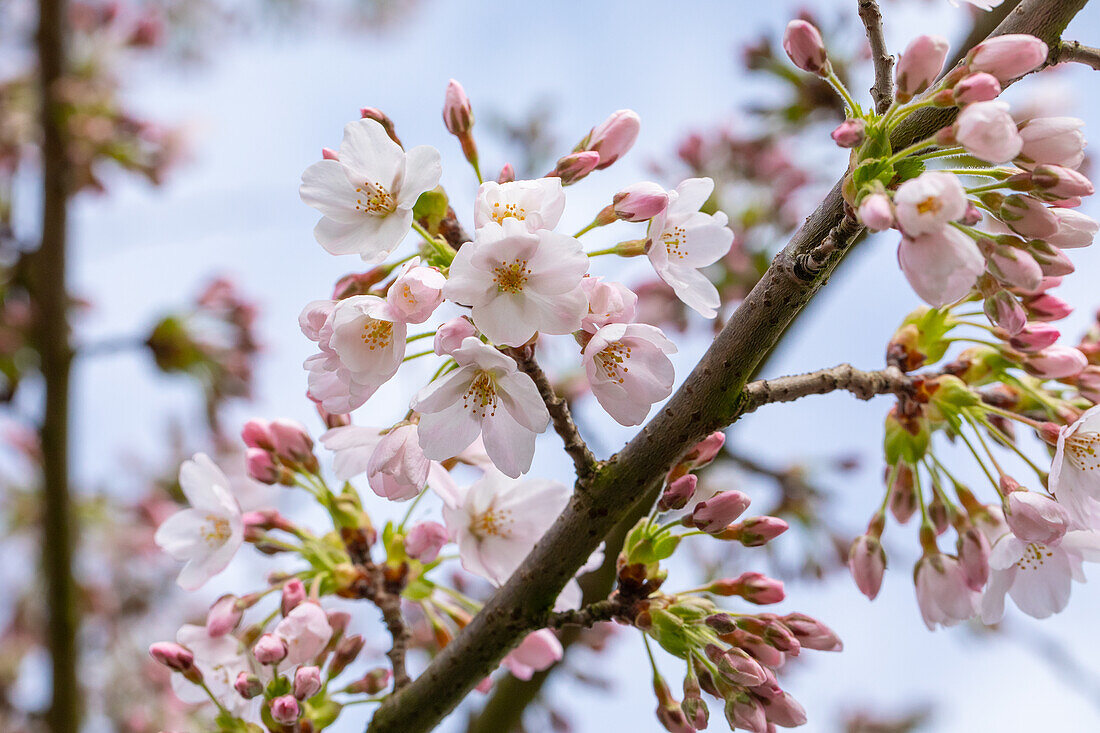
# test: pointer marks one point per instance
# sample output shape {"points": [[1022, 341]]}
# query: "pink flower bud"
{"points": [[1054, 141], [294, 592], [759, 531], [1014, 267], [575, 166], [1035, 337], [416, 292], [1006, 312], [608, 302], [747, 712], [640, 201], [613, 137], [269, 649], [307, 682], [850, 133], [1088, 384], [867, 563], [876, 212], [1008, 57], [457, 114], [706, 450], [1074, 229], [987, 131], [811, 633], [735, 665], [802, 42], [223, 616], [507, 174], [1033, 517], [256, 433], [292, 441], [1058, 182], [285, 709], [717, 512], [973, 551], [261, 466], [248, 685], [329, 154], [1056, 362], [785, 711], [347, 649], [678, 493], [398, 469], [753, 587], [1053, 261], [371, 113], [424, 541], [1028, 216], [980, 87], [919, 65], [1047, 307], [172, 655], [972, 215], [449, 336]]}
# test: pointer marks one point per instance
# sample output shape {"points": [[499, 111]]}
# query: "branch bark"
{"points": [[883, 90], [51, 302], [863, 385], [710, 398], [1077, 52]]}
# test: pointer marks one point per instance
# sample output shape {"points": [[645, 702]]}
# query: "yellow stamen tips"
{"points": [[374, 199], [612, 361], [1083, 451], [930, 205], [216, 531], [1034, 557], [510, 277], [481, 397], [493, 523], [499, 213], [377, 334], [674, 241]]}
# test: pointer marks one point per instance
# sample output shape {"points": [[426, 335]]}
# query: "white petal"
{"points": [[446, 433], [423, 169], [510, 445]]}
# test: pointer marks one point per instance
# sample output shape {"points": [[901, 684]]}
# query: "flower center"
{"points": [[493, 523], [1082, 451], [374, 199], [216, 530], [674, 240], [930, 205], [510, 277], [377, 334], [481, 397], [501, 212], [1034, 557], [612, 361]]}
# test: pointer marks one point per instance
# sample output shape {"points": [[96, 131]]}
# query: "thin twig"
{"points": [[384, 591], [883, 90], [588, 616], [863, 385], [575, 446], [1077, 52]]}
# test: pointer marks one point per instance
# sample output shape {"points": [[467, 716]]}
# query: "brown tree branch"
{"points": [[380, 585], [583, 460], [586, 616], [1077, 52], [51, 303], [863, 385], [710, 398], [883, 90]]}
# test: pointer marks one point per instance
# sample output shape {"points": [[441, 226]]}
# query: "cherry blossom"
{"points": [[416, 292], [1038, 576], [987, 131], [608, 302], [366, 197], [221, 659], [928, 202], [499, 520], [536, 652], [520, 282], [629, 370], [1075, 472], [488, 395], [538, 203], [682, 239], [943, 592], [306, 631], [208, 534], [942, 266]]}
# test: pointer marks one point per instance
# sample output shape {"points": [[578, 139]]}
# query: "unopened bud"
{"points": [[294, 592], [758, 531], [867, 563], [307, 682], [640, 202], [248, 685], [285, 710], [269, 649], [224, 616], [803, 44], [717, 512], [678, 493], [575, 166], [850, 133], [458, 116]]}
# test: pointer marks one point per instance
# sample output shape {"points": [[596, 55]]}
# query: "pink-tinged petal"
{"points": [[507, 319], [1006, 552], [708, 240], [1083, 543], [465, 284], [521, 399], [510, 445], [445, 391], [367, 152], [1042, 587], [691, 194], [181, 534], [558, 264], [423, 169], [993, 598], [443, 484], [474, 351], [203, 483], [942, 266], [694, 289], [325, 187], [446, 433], [558, 314]]}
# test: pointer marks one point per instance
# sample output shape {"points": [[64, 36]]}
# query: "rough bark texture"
{"points": [[710, 398], [883, 90], [51, 302]]}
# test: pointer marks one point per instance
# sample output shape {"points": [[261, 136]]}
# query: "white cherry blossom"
{"points": [[366, 196], [682, 239], [538, 203], [1075, 471], [929, 201], [487, 394], [1038, 577], [208, 534], [519, 282], [628, 369], [220, 659]]}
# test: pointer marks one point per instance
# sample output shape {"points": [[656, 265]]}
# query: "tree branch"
{"points": [[583, 460], [710, 398], [383, 588], [586, 616], [1077, 52], [883, 90], [863, 385]]}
